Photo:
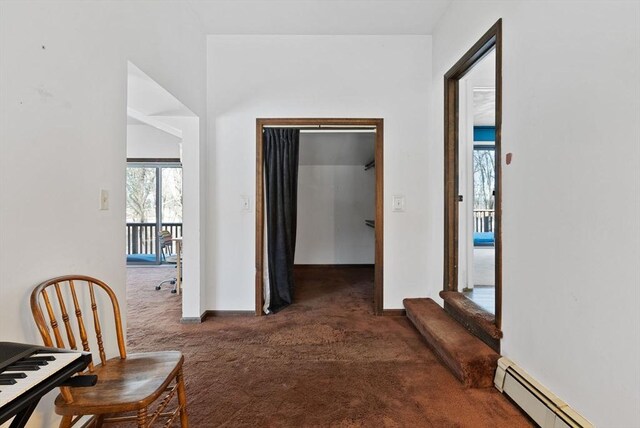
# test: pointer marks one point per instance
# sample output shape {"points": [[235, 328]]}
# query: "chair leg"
{"points": [[66, 421], [182, 400], [142, 418], [99, 421]]}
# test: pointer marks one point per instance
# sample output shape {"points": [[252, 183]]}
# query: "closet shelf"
{"points": [[370, 223]]}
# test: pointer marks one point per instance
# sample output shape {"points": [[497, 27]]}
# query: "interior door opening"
{"points": [[320, 169], [162, 164], [335, 240]]}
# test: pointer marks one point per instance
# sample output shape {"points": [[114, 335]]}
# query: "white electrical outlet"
{"points": [[397, 203], [104, 199], [245, 204]]}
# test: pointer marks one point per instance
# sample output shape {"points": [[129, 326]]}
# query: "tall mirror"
{"points": [[477, 183]]}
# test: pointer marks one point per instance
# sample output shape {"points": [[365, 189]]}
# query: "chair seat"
{"points": [[124, 385]]}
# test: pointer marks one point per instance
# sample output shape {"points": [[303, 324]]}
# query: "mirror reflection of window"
{"points": [[477, 180]]}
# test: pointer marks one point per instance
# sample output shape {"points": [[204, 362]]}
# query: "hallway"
{"points": [[323, 361]]}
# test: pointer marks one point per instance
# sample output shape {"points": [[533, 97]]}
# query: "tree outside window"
{"points": [[484, 179]]}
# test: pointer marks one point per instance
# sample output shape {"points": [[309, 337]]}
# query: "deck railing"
{"points": [[142, 237], [483, 220]]}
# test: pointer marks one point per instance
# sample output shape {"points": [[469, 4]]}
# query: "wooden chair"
{"points": [[127, 383], [166, 244]]}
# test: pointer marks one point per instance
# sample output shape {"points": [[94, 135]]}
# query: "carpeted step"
{"points": [[471, 311], [468, 358], [473, 317]]}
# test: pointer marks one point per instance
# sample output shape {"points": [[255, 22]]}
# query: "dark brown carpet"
{"points": [[324, 361], [469, 359]]}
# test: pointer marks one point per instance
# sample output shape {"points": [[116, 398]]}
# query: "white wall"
{"points": [[316, 76], [571, 196], [336, 148], [333, 202], [193, 194], [63, 135], [144, 141]]}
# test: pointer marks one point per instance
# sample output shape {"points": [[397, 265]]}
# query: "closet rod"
{"points": [[337, 131], [326, 127]]}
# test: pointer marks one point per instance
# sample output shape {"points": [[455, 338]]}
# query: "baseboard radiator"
{"points": [[547, 410]]}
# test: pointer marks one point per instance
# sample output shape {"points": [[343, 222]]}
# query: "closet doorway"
{"points": [[371, 126]]}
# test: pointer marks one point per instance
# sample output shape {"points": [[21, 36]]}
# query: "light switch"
{"points": [[398, 203], [104, 199], [245, 204]]}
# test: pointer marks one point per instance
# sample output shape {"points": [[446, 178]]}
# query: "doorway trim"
{"points": [[490, 40], [379, 211]]}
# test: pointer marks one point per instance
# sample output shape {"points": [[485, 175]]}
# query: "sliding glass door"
{"points": [[484, 185], [154, 204]]}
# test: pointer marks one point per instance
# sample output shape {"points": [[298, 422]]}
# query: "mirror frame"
{"points": [[492, 39]]}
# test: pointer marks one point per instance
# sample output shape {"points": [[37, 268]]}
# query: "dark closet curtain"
{"points": [[281, 148]]}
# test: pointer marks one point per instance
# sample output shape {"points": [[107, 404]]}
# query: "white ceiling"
{"points": [[319, 17], [147, 97], [324, 148], [484, 108], [133, 121], [483, 79], [484, 72]]}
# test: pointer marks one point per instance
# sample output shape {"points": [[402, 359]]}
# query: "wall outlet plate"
{"points": [[245, 203], [104, 199], [397, 203]]}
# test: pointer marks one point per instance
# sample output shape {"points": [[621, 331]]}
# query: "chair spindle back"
{"points": [[55, 289]]}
